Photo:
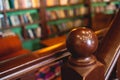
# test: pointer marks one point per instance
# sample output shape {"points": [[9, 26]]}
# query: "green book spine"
{"points": [[11, 2]]}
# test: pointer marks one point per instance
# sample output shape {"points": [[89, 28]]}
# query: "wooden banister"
{"points": [[81, 43], [109, 51], [29, 61], [108, 54]]}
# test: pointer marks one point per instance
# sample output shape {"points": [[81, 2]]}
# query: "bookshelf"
{"points": [[62, 16], [71, 17], [105, 6], [51, 18], [106, 9], [22, 17]]}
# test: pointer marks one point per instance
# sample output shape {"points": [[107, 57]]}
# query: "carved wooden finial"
{"points": [[82, 42], [82, 64]]}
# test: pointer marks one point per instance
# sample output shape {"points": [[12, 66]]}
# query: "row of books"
{"points": [[18, 4], [16, 20], [63, 27], [31, 33], [110, 7], [57, 14], [61, 2], [102, 0], [34, 33], [7, 32]]}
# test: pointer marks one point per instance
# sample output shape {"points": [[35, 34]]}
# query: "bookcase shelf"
{"points": [[105, 6], [106, 10], [51, 27], [64, 7], [29, 24], [58, 21], [70, 12], [95, 4], [14, 10], [88, 4], [20, 12], [32, 44], [22, 18], [10, 27]]}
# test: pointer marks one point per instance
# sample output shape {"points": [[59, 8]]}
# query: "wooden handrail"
{"points": [[82, 64], [29, 63], [42, 55], [56, 52], [109, 51], [78, 43]]}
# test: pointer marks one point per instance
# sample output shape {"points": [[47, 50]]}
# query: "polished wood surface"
{"points": [[109, 50], [11, 46], [53, 41], [23, 64], [29, 62], [101, 20], [82, 43], [25, 61], [62, 39]]}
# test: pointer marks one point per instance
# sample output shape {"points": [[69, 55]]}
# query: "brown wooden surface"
{"points": [[118, 69], [17, 61], [29, 57], [53, 41], [109, 50], [42, 13], [25, 61], [11, 46], [100, 20], [82, 43]]}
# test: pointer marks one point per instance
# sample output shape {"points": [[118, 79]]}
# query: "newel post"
{"points": [[82, 64]]}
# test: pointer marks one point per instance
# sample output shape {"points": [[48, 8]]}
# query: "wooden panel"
{"points": [[109, 50]]}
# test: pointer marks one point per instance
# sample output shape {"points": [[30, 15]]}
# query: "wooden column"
{"points": [[42, 14], [82, 65]]}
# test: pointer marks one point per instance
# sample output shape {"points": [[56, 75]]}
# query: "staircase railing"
{"points": [[81, 65]]}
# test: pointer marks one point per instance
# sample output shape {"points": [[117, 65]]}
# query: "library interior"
{"points": [[59, 39]]}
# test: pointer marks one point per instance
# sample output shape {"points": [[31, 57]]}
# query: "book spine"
{"points": [[29, 17], [0, 23], [21, 4], [16, 4], [25, 18], [9, 21], [1, 4], [38, 32], [1, 16], [12, 20], [28, 3], [6, 5], [3, 22], [12, 5], [35, 3], [65, 2], [30, 33]]}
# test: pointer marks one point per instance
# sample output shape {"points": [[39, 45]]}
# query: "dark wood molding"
{"points": [[109, 50]]}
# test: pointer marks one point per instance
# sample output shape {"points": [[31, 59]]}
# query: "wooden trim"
{"points": [[109, 49], [33, 60]]}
